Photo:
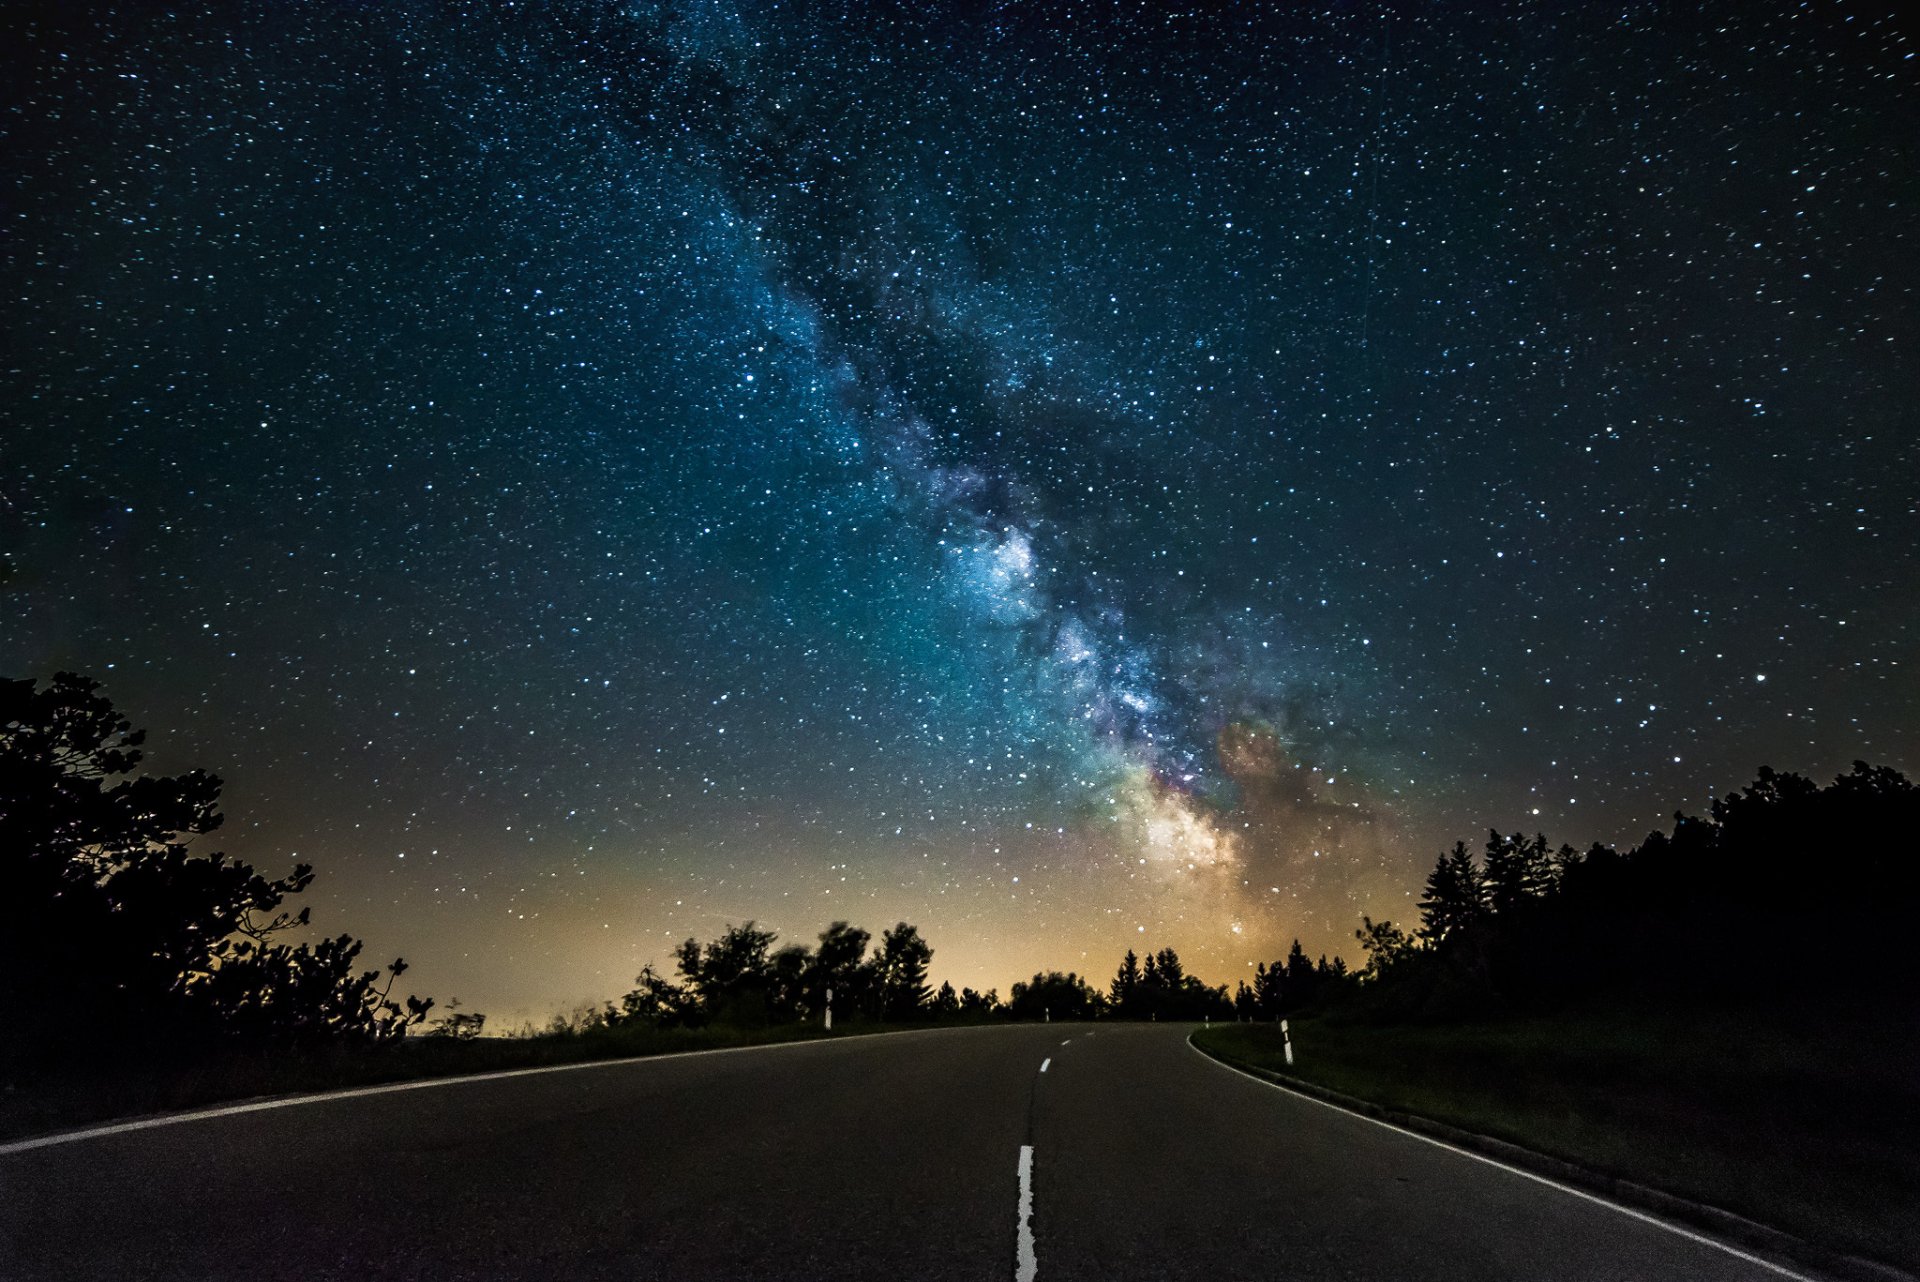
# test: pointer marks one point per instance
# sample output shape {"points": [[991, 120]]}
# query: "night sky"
{"points": [[1069, 476]]}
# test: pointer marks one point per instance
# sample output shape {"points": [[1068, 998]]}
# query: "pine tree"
{"points": [[1455, 898], [1173, 975], [1517, 869], [1124, 991], [1268, 989], [902, 970], [1300, 985]]}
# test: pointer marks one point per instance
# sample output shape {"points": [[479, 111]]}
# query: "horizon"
{"points": [[587, 478]]}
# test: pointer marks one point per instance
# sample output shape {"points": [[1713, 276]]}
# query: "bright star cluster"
{"points": [[1066, 476]]}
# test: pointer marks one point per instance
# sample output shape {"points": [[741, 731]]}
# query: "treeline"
{"points": [[1785, 891], [1158, 987], [117, 942], [1292, 984], [120, 944], [741, 979]]}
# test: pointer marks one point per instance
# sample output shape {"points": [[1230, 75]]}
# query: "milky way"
{"points": [[1071, 478]]}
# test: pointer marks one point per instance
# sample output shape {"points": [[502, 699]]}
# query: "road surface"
{"points": [[1047, 1152]]}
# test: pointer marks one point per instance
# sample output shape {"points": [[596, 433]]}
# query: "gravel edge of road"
{"points": [[1726, 1224]]}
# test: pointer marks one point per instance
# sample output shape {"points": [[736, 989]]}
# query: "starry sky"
{"points": [[1073, 476]]}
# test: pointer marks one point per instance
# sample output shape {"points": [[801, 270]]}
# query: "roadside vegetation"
{"points": [[1729, 1011], [1734, 1108], [140, 972]]}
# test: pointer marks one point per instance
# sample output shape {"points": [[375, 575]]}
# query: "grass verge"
{"points": [[1810, 1126], [82, 1097]]}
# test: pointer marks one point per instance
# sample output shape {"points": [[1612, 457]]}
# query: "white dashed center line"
{"points": [[1024, 1265], [1043, 1063]]}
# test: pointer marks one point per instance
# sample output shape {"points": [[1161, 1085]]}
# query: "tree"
{"points": [[656, 1000], [787, 982], [945, 1002], [1565, 860], [277, 992], [1052, 995], [1122, 994], [1455, 900], [1386, 945], [1160, 988], [1688, 914], [1300, 978], [1172, 974], [839, 964], [1518, 870], [901, 969], [732, 977], [1269, 988], [115, 937]]}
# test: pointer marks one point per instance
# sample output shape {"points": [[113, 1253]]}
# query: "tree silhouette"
{"points": [[1690, 914], [1269, 988], [838, 964], [1052, 995], [115, 937], [655, 999], [1301, 987], [1160, 988], [1517, 870], [1123, 993], [1455, 898], [742, 979], [787, 972], [901, 970], [1385, 945], [732, 978], [1173, 976]]}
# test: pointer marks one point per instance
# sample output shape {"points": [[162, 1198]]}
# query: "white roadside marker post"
{"points": [[829, 1010], [1287, 1039]]}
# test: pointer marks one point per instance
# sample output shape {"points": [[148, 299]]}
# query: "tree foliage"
{"points": [[742, 979], [116, 937], [900, 972], [1386, 946], [1052, 995], [1455, 898], [1689, 913], [1161, 988]]}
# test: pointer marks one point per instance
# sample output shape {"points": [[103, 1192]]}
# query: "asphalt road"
{"points": [[897, 1156]]}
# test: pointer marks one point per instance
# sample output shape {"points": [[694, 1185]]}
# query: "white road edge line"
{"points": [[1024, 1264], [1523, 1173], [1043, 1063], [388, 1088]]}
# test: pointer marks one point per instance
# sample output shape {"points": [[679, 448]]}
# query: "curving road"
{"points": [[1045, 1152]]}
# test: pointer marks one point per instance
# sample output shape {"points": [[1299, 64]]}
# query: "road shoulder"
{"points": [[1722, 1224]]}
